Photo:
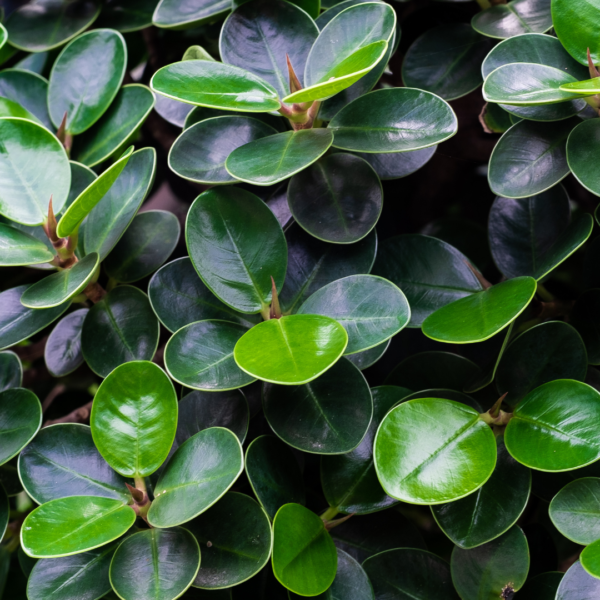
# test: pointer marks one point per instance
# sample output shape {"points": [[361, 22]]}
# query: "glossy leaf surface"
{"points": [[574, 23], [171, 14], [367, 358], [304, 555], [514, 18], [11, 371], [201, 356], [482, 315], [134, 418], [20, 420], [398, 164], [577, 583], [18, 248], [202, 469], [234, 228], [419, 440], [551, 427], [29, 90], [72, 525], [63, 349], [581, 154]]}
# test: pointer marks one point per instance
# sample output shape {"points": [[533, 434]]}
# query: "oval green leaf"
{"points": [[18, 248], [20, 420], [577, 583], [367, 358], [171, 14], [514, 18], [28, 90], [398, 164], [582, 154], [11, 371], [575, 25], [62, 353]]}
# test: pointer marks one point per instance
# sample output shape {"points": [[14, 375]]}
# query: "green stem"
{"points": [[140, 483], [266, 313], [330, 513]]}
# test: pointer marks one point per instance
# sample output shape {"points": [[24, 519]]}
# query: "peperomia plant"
{"points": [[311, 392]]}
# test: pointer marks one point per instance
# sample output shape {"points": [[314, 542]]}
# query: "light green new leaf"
{"points": [[18, 248], [20, 420]]}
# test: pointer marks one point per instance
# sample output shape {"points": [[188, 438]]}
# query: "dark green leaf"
{"points": [[582, 155], [4, 510], [29, 90], [398, 164], [575, 25], [20, 420], [171, 14], [127, 15], [367, 358], [21, 249], [515, 18], [62, 352], [11, 371]]}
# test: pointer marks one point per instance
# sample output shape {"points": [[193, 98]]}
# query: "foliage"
{"points": [[258, 381]]}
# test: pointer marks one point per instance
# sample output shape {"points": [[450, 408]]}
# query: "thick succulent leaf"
{"points": [[171, 14], [549, 351], [73, 525], [48, 24], [83, 576], [119, 328], [17, 322], [200, 152], [190, 484], [330, 415], [236, 540], [127, 15], [304, 555], [338, 199], [155, 564], [367, 358], [440, 276], [272, 159], [575, 24], [292, 350], [349, 481], [28, 90], [552, 427], [492, 509], [480, 316], [371, 309], [446, 61], [33, 167], [582, 154], [63, 461], [110, 218], [432, 451], [398, 164], [11, 371], [18, 248], [259, 35], [274, 474], [134, 418], [56, 289], [20, 420], [62, 352], [119, 123], [491, 569], [530, 158], [179, 298], [201, 356], [236, 244], [514, 18], [86, 78], [81, 207], [215, 85], [393, 120], [423, 575]]}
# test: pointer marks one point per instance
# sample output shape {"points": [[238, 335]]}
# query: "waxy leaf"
{"points": [[125, 323], [490, 511], [17, 322], [202, 469], [274, 474], [63, 461], [530, 158], [47, 24], [549, 351], [446, 61], [236, 539], [83, 576], [63, 349], [134, 418], [62, 286], [89, 198], [86, 78], [304, 555], [72, 525], [201, 356], [20, 420], [552, 427], [423, 575], [179, 297], [575, 25], [491, 569], [28, 90], [156, 564], [590, 558], [8, 108], [110, 134], [272, 159], [365, 359], [349, 481], [258, 35], [11, 371], [577, 583], [33, 167], [398, 164], [171, 14], [338, 199], [440, 276], [292, 350], [236, 244], [173, 111], [514, 18], [18, 248], [582, 154], [215, 85], [445, 394], [393, 120], [346, 300], [480, 316], [109, 219], [432, 451]]}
